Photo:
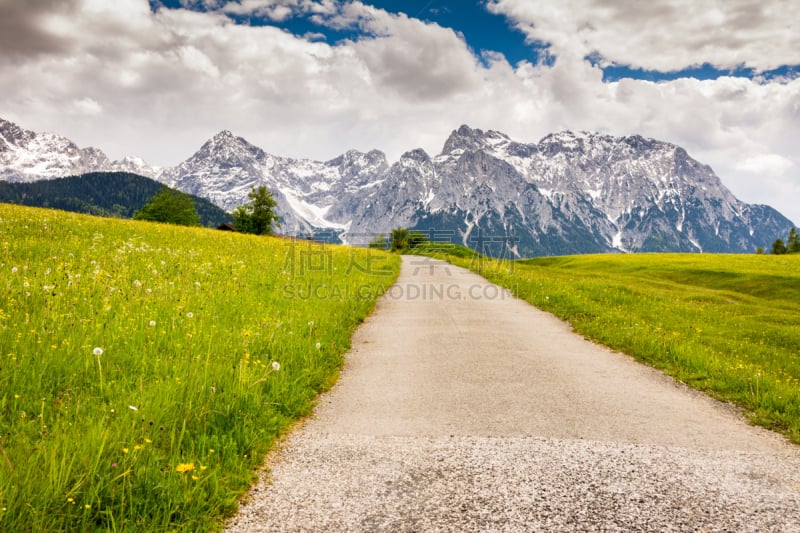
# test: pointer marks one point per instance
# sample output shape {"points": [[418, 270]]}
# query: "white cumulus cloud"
{"points": [[158, 84], [665, 35]]}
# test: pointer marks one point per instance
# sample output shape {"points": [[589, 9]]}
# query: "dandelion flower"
{"points": [[98, 351], [124, 450], [276, 366], [195, 478], [148, 441], [137, 447], [87, 506], [184, 467]]}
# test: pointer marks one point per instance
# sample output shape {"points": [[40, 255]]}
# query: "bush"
{"points": [[403, 240]]}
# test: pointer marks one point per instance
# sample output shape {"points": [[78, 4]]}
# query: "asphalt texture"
{"points": [[461, 408]]}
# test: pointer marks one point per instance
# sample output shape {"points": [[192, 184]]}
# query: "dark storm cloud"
{"points": [[23, 28]]}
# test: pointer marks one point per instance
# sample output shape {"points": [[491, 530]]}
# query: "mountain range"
{"points": [[572, 192]]}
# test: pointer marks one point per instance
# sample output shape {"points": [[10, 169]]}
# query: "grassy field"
{"points": [[145, 369], [725, 324]]}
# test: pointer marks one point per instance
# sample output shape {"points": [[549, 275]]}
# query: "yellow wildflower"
{"points": [[184, 467]]}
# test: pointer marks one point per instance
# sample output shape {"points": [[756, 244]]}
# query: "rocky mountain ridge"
{"points": [[27, 156], [572, 192]]}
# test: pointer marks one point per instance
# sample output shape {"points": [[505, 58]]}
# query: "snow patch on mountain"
{"points": [[572, 192], [27, 156]]}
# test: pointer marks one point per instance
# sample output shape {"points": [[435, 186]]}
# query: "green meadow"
{"points": [[728, 325], [146, 369]]}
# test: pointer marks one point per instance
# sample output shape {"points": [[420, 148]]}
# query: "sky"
{"points": [[314, 78]]}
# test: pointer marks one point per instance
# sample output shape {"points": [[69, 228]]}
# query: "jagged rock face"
{"points": [[26, 156], [569, 193], [227, 167]]}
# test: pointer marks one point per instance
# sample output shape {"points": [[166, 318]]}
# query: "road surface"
{"points": [[461, 408]]}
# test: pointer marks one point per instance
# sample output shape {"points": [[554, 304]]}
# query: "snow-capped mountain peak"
{"points": [[466, 138], [572, 192], [29, 156]]}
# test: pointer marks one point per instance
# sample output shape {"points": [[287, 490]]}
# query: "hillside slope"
{"points": [[109, 194]]}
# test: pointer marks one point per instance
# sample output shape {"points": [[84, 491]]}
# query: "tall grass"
{"points": [[725, 324], [145, 369]]}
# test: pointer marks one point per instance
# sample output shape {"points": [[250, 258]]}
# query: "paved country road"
{"points": [[461, 408]]}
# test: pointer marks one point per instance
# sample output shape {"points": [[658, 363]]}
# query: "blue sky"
{"points": [[483, 31], [314, 78]]}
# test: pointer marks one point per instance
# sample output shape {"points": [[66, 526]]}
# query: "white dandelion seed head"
{"points": [[319, 345], [14, 270], [189, 315], [137, 283], [310, 323], [133, 408], [276, 366], [152, 323], [98, 351]]}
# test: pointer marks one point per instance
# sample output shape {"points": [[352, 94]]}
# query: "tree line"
{"points": [[105, 194]]}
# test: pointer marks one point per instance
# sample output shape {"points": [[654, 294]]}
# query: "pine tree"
{"points": [[793, 242]]}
